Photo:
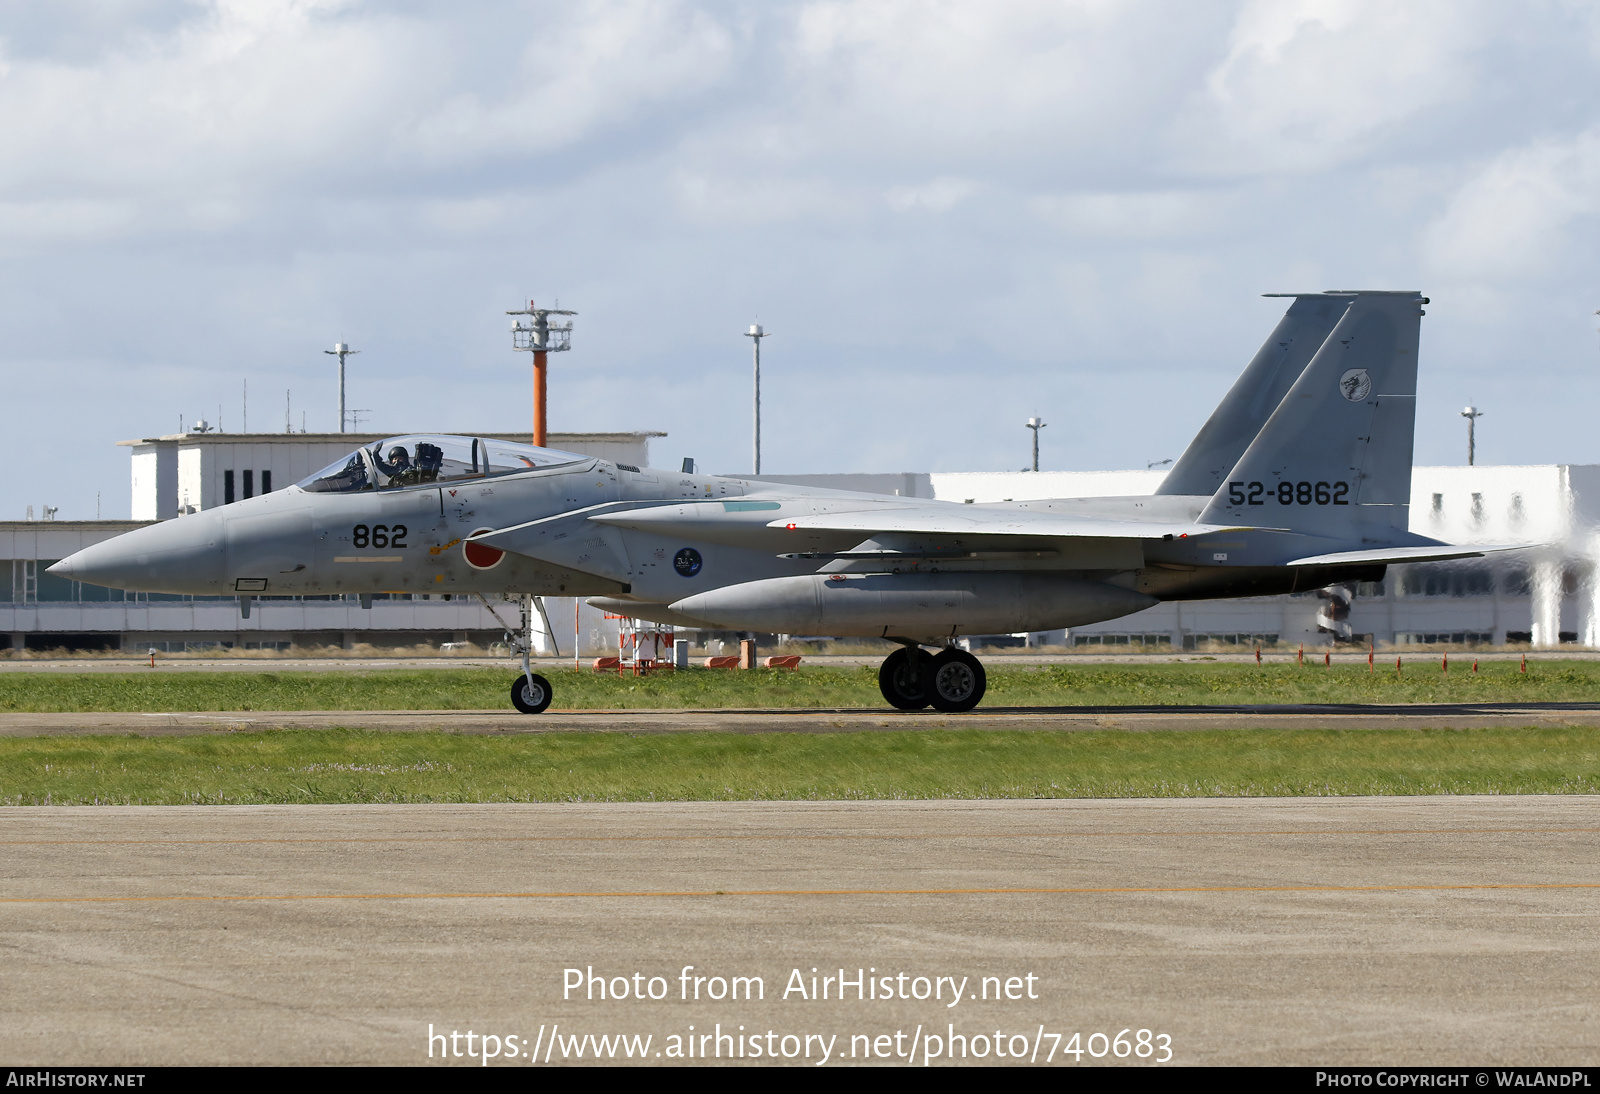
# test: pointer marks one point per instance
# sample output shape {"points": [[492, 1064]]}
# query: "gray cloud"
{"points": [[954, 215]]}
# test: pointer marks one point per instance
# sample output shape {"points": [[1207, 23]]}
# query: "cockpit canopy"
{"points": [[421, 458]]}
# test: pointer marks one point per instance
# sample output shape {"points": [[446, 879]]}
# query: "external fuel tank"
{"points": [[912, 605]]}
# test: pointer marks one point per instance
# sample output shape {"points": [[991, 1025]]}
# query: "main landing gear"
{"points": [[912, 678]]}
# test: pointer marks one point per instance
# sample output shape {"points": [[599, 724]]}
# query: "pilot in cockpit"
{"points": [[398, 468]]}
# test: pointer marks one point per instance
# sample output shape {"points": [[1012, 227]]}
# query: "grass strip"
{"points": [[359, 766], [1170, 683]]}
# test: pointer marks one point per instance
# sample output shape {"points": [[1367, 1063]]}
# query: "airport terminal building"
{"points": [[1544, 596]]}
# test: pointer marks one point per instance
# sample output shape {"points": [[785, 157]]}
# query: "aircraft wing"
{"points": [[1443, 552], [973, 521]]}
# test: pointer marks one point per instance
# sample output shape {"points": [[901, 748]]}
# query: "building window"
{"points": [[1516, 511], [1454, 638], [24, 580], [227, 487], [1477, 506], [250, 484], [1217, 641], [1438, 504], [266, 482], [1443, 580], [1148, 640]]}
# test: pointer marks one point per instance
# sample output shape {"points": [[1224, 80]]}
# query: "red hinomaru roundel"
{"points": [[480, 556]]}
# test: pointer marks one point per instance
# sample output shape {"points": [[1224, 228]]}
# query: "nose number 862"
{"points": [[379, 535]]}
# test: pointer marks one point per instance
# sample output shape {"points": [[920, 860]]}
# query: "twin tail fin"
{"points": [[1334, 457]]}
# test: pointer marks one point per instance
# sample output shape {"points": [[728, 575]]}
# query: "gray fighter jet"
{"points": [[1300, 479]]}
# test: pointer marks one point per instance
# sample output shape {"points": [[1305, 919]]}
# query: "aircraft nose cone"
{"points": [[176, 556]]}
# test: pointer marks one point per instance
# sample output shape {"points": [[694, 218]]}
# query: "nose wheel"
{"points": [[531, 693]]}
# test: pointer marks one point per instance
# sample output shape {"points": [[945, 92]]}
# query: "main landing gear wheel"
{"points": [[957, 683], [903, 690], [531, 693]]}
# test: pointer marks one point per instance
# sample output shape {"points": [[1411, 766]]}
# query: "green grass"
{"points": [[342, 766], [1058, 685]]}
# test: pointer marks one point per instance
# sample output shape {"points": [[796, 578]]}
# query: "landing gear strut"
{"points": [[530, 692], [952, 682]]}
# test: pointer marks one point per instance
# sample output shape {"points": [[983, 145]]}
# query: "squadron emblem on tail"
{"points": [[1355, 385]]}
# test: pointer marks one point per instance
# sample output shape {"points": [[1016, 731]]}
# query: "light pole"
{"points": [[1472, 414], [540, 337], [756, 334], [341, 351], [1036, 424]]}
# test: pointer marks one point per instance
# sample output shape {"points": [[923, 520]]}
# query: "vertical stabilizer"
{"points": [[1334, 459], [1255, 395]]}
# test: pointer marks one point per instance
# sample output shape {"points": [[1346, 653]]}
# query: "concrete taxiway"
{"points": [[271, 661], [1290, 931], [864, 719]]}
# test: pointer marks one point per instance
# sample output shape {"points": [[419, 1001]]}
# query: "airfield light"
{"points": [[538, 336], [341, 350], [756, 334], [1036, 424]]}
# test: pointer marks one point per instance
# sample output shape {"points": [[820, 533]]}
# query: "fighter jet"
{"points": [[1300, 479]]}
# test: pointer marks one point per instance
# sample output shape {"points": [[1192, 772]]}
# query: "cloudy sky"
{"points": [[953, 215]]}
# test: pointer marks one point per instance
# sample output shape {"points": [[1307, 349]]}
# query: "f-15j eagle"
{"points": [[1300, 479]]}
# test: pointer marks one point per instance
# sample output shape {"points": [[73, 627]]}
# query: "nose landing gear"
{"points": [[531, 693], [953, 682]]}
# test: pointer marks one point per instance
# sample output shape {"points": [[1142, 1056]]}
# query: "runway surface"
{"points": [[864, 719], [1298, 931]]}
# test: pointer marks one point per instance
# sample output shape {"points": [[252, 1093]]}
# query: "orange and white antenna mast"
{"points": [[539, 336]]}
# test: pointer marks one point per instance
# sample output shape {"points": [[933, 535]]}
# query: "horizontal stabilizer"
{"points": [[1442, 552]]}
